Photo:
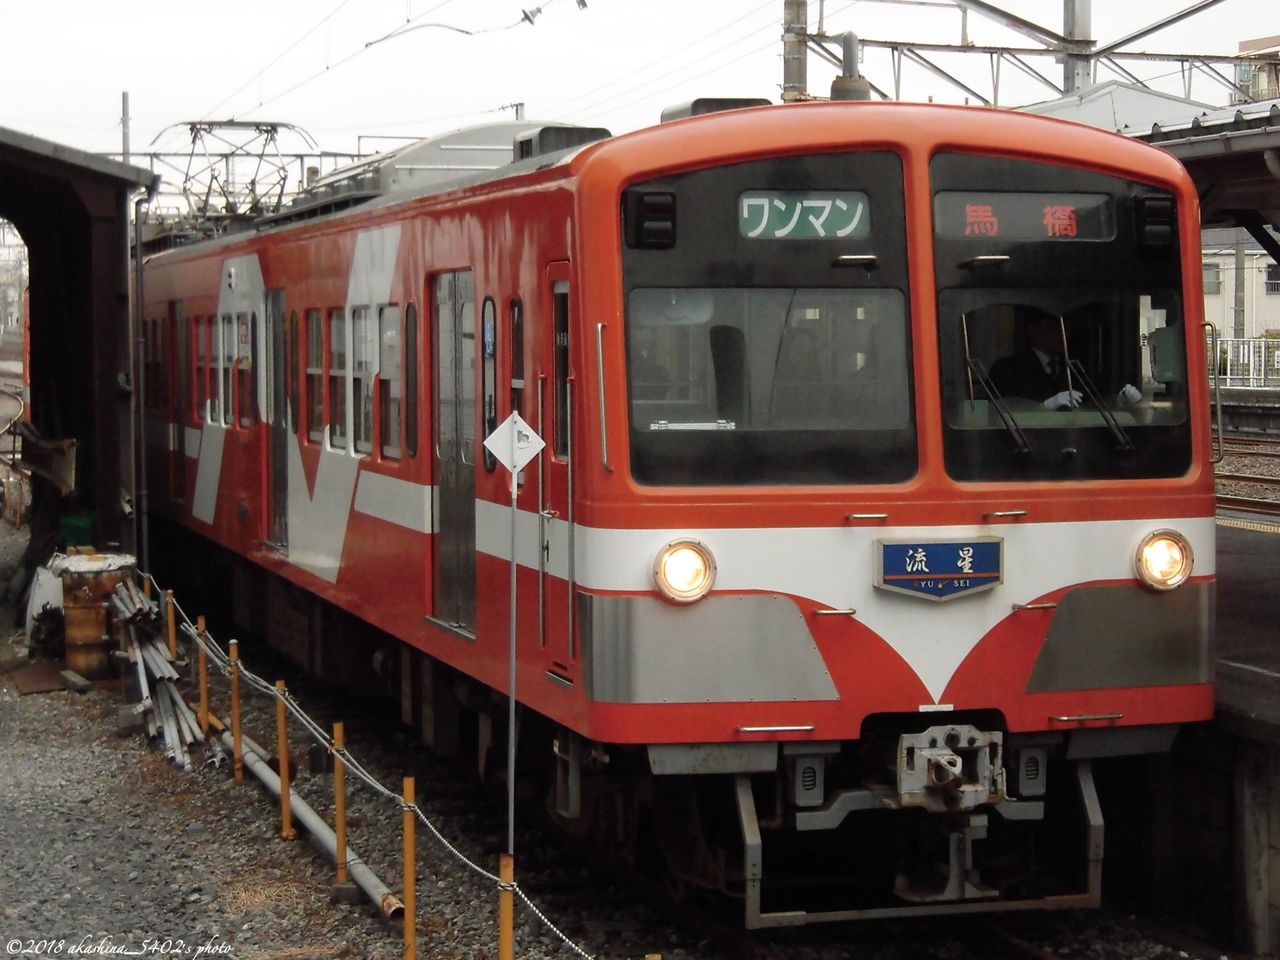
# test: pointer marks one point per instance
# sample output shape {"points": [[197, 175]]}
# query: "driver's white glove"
{"points": [[1064, 400], [1128, 396]]}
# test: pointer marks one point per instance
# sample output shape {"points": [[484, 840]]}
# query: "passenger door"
{"points": [[279, 419], [454, 435], [555, 405]]}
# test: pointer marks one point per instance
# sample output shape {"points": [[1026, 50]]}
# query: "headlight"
{"points": [[684, 571], [1164, 560]]}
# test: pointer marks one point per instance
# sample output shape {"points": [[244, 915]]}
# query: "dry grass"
{"points": [[248, 892]]}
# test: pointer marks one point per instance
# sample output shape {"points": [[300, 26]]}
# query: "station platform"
{"points": [[1248, 720], [1248, 629]]}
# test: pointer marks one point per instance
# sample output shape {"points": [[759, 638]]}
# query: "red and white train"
{"points": [[820, 601]]}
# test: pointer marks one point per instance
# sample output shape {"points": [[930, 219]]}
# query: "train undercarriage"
{"points": [[832, 833]]}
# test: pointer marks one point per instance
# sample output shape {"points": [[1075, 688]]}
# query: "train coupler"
{"points": [[950, 768]]}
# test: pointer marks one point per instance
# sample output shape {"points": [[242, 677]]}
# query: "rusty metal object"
{"points": [[87, 642], [88, 583], [55, 460]]}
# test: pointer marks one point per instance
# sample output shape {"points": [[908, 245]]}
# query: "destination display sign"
{"points": [[1024, 216], [803, 215]]}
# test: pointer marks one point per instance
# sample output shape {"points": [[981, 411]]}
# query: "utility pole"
{"points": [[795, 50], [1077, 69], [1237, 318], [124, 126]]}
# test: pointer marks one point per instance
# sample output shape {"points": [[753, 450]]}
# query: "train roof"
{"points": [[490, 153], [438, 164]]}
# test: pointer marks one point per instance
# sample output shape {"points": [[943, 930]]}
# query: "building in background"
{"points": [[1259, 289], [1261, 80]]}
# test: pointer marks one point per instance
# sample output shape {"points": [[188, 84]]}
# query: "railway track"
{"points": [[1250, 505]]}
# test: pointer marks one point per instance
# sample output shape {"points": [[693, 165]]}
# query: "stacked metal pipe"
{"points": [[166, 713]]}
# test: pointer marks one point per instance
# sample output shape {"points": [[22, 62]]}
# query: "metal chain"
{"points": [[223, 662]]}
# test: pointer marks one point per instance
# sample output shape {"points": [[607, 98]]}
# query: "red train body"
{"points": [[771, 340]]}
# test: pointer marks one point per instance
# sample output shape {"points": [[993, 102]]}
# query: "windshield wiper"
{"points": [[1091, 391], [978, 372]]}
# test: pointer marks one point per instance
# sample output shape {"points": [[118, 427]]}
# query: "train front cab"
{"points": [[895, 610]]}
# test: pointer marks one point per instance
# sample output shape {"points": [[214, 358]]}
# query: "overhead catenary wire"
{"points": [[597, 90], [276, 59], [597, 105], [329, 68]]}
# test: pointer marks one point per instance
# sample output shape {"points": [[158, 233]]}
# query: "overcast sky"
{"points": [[615, 63]]}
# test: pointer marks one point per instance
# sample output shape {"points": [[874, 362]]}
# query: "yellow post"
{"points": [[282, 752], [202, 665], [410, 876], [340, 803], [506, 909], [237, 754], [170, 606]]}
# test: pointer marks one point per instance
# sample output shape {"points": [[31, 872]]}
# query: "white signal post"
{"points": [[513, 444]]}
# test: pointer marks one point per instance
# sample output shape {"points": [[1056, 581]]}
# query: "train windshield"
{"points": [[1062, 338], [769, 385], [1063, 384]]}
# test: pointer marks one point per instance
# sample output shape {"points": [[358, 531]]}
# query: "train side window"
{"points": [[208, 375], [246, 368], [560, 367], [163, 370], [154, 398], [466, 307], [411, 380], [517, 357], [199, 373], [315, 375], [390, 404], [338, 378], [488, 373], [364, 359], [226, 367], [291, 373]]}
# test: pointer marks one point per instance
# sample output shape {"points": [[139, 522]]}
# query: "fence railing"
{"points": [[1249, 362]]}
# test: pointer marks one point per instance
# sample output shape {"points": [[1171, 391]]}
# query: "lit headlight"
{"points": [[1164, 560], [684, 571]]}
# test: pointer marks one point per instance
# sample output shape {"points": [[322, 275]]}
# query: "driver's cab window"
{"points": [[1058, 361]]}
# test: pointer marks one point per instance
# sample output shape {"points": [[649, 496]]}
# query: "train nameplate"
{"points": [[939, 569]]}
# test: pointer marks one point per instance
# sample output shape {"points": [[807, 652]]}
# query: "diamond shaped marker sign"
{"points": [[514, 443]]}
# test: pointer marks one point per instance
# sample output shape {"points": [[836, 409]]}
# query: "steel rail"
{"points": [[1248, 478], [1249, 505]]}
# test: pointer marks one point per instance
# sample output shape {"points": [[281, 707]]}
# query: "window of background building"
{"points": [[1212, 278], [1273, 278]]}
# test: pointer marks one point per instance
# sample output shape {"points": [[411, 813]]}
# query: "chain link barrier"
{"points": [[322, 737]]}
